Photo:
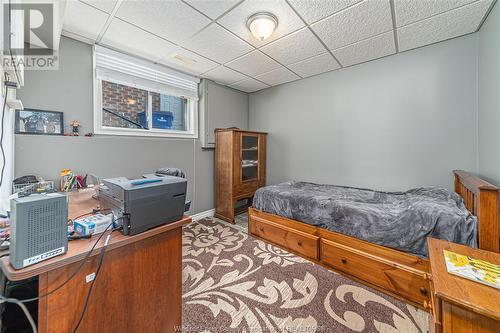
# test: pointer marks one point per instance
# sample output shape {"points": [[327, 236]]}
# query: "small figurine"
{"points": [[75, 125]]}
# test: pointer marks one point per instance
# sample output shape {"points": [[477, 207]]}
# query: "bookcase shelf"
{"points": [[240, 168]]}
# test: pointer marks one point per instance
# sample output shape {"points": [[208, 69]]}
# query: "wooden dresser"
{"points": [[240, 163], [460, 305]]}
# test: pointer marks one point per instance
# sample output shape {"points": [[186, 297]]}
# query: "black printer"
{"points": [[142, 204]]}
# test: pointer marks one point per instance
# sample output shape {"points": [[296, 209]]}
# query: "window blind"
{"points": [[132, 71]]}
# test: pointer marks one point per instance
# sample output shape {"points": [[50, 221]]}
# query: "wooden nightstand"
{"points": [[460, 305]]}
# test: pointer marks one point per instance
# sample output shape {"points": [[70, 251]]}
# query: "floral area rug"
{"points": [[233, 282]]}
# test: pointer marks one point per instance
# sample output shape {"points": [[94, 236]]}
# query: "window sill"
{"points": [[147, 134]]}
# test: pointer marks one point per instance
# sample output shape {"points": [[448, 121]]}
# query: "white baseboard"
{"points": [[202, 215]]}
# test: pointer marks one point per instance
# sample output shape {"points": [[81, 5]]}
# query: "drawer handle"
{"points": [[423, 291], [299, 243], [344, 260], [261, 229]]}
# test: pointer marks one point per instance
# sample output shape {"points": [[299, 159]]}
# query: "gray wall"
{"points": [[403, 121], [489, 97], [70, 90]]}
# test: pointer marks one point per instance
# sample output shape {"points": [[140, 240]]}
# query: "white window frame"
{"points": [[99, 128]]}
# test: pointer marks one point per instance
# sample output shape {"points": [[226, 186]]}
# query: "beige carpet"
{"points": [[233, 282]]}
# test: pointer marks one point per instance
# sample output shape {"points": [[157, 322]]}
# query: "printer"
{"points": [[142, 204]]}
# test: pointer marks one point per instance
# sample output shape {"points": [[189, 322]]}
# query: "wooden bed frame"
{"points": [[397, 273]]}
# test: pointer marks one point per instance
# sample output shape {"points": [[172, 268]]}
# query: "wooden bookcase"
{"points": [[240, 168]]}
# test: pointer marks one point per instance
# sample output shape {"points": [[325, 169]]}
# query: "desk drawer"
{"points": [[391, 276], [290, 239]]}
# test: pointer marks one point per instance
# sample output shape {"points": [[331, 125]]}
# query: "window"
{"points": [[133, 97], [130, 107]]}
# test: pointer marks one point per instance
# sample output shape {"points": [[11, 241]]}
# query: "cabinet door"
{"points": [[249, 162], [249, 157]]}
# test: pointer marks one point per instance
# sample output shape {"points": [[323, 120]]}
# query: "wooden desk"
{"points": [[461, 305], [137, 290]]}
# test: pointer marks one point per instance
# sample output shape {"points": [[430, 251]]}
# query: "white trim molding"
{"points": [[202, 215]]}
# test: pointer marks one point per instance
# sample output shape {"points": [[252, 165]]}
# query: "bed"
{"points": [[297, 217]]}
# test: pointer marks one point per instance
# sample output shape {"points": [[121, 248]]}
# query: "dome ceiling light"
{"points": [[262, 25]]}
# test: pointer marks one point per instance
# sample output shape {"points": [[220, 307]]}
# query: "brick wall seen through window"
{"points": [[169, 112]]}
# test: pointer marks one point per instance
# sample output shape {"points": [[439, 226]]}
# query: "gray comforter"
{"points": [[401, 220]]}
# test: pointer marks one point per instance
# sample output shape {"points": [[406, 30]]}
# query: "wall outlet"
{"points": [[89, 278]]}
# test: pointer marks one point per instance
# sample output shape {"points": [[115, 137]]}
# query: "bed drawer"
{"points": [[293, 240], [405, 281]]}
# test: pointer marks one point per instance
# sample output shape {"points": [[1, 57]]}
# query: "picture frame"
{"points": [[39, 122]]}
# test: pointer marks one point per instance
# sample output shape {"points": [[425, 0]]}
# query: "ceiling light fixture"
{"points": [[262, 25]]}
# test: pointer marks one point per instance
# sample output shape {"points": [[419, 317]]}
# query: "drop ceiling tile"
{"points": [[83, 20], [366, 19], [314, 10], [124, 36], [368, 49], [253, 64], [249, 85], [315, 65], [172, 20], [213, 8], [104, 5], [409, 11], [277, 76], [218, 44], [188, 61], [444, 26], [224, 75], [297, 46], [236, 19]]}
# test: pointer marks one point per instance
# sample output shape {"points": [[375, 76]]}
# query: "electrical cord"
{"points": [[94, 211], [71, 276], [89, 294], [5, 299], [21, 304], [25, 310], [1, 135]]}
